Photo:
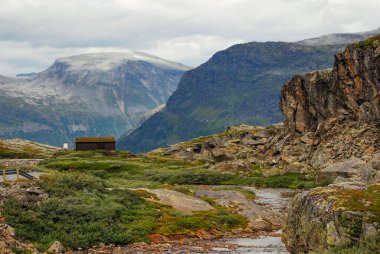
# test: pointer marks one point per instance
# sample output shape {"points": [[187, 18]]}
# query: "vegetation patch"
{"points": [[372, 42], [174, 222], [158, 172], [369, 246], [366, 201], [81, 212]]}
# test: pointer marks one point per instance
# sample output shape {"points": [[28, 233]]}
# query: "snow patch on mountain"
{"points": [[110, 60]]}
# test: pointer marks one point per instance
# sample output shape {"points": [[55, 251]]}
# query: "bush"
{"points": [[89, 215]]}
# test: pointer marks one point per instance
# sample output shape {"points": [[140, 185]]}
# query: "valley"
{"points": [[307, 185]]}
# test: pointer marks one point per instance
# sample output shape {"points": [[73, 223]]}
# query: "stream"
{"points": [[273, 200], [277, 200]]}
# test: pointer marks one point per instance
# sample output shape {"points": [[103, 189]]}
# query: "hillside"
{"points": [[238, 85], [92, 94]]}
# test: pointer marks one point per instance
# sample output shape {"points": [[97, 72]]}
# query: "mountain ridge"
{"points": [[239, 85], [75, 97]]}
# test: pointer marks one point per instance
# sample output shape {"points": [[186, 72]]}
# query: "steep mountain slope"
{"points": [[238, 85], [91, 94]]}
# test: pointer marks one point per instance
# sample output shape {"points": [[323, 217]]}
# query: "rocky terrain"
{"points": [[86, 95], [182, 197], [330, 132], [239, 85]]}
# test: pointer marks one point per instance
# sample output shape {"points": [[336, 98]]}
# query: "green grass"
{"points": [[372, 42], [12, 154], [89, 201], [81, 212], [366, 201], [152, 172], [174, 222]]}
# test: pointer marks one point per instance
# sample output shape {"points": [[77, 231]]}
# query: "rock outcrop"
{"points": [[326, 105], [338, 215], [350, 90]]}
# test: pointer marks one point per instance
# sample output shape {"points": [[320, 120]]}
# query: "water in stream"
{"points": [[277, 199]]}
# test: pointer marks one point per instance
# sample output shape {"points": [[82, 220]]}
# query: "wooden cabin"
{"points": [[95, 143]]}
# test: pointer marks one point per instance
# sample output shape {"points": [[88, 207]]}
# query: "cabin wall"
{"points": [[90, 146]]}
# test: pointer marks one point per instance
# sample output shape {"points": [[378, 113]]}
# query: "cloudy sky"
{"points": [[35, 32]]}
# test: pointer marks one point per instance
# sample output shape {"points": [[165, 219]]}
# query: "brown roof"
{"points": [[95, 139]]}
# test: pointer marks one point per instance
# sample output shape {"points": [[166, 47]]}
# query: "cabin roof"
{"points": [[95, 139]]}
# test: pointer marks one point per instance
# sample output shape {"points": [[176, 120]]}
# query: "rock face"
{"points": [[86, 95], [338, 215], [317, 105], [350, 90]]}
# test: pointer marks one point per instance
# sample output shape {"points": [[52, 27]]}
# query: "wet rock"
{"points": [[179, 201]]}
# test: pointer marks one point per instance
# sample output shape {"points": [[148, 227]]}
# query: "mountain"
{"points": [[331, 133], [90, 94], [238, 85]]}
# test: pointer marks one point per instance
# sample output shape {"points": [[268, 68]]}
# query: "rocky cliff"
{"points": [[344, 214], [350, 90]]}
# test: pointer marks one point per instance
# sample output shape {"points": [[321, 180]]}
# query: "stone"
{"points": [[353, 169], [307, 139], [251, 142], [311, 100], [261, 134], [35, 190], [220, 155], [172, 151], [179, 201], [313, 222], [56, 247], [376, 164]]}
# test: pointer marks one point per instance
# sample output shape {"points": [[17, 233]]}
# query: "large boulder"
{"points": [[352, 170], [338, 215]]}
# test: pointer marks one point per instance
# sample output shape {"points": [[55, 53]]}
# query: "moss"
{"points": [[372, 42], [366, 201], [174, 222]]}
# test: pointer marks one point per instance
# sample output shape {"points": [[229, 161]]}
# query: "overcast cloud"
{"points": [[33, 33]]}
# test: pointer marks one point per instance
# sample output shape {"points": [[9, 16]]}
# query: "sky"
{"points": [[33, 33]]}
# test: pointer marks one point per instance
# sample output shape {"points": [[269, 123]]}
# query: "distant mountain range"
{"points": [[91, 94], [238, 85]]}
